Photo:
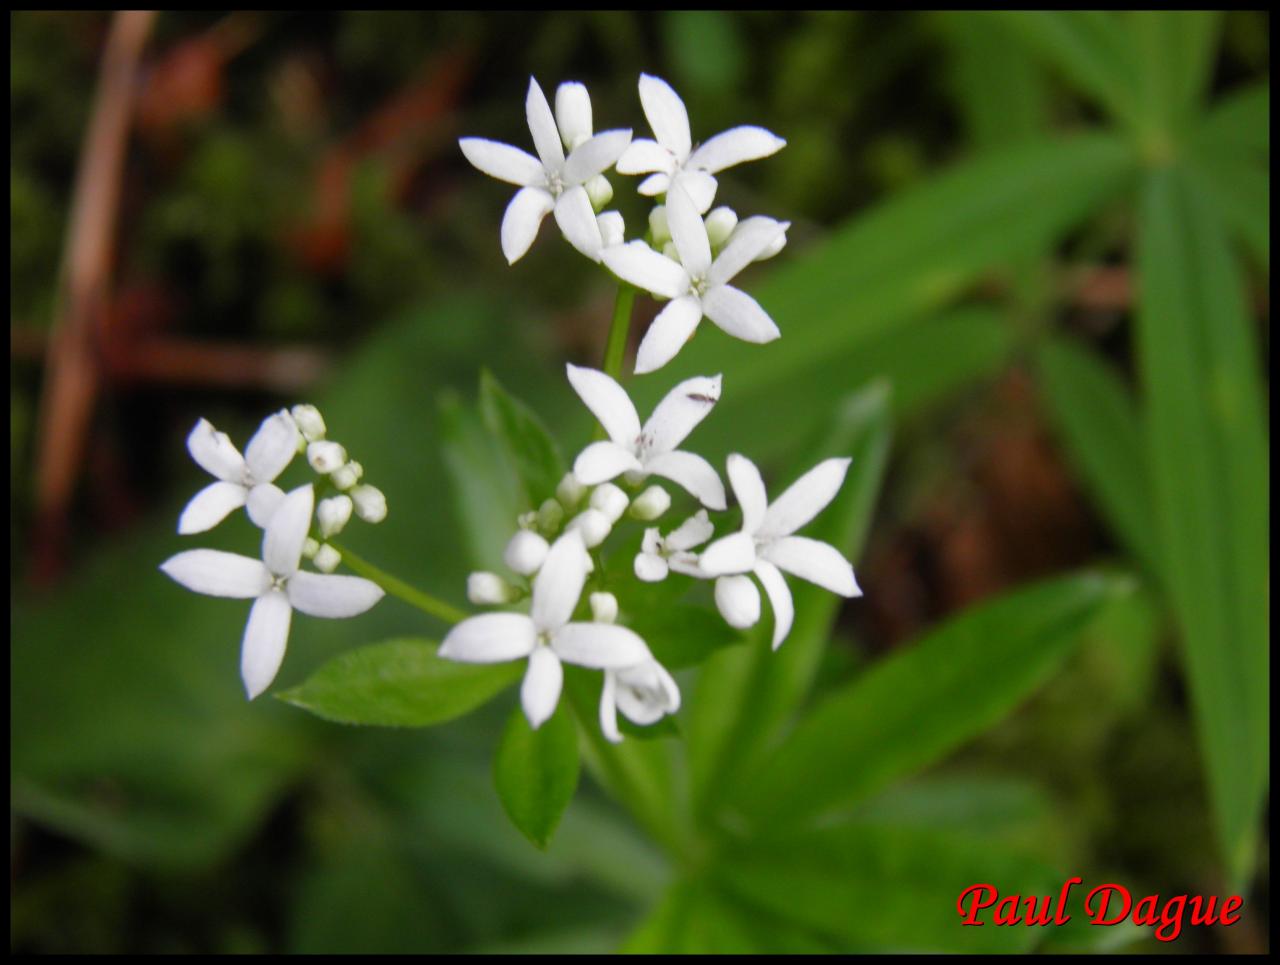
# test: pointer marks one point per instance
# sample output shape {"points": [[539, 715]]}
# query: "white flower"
{"points": [[643, 693], [242, 480], [673, 156], [696, 284], [658, 555], [766, 545], [550, 182], [545, 636], [276, 586], [525, 552], [651, 450]]}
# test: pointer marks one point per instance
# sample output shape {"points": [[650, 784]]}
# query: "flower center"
{"points": [[555, 183], [698, 286]]}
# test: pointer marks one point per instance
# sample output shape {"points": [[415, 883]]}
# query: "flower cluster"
{"points": [[689, 257], [275, 582]]}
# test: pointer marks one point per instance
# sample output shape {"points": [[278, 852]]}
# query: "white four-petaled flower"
{"points": [[551, 182], [672, 155], [650, 450], [660, 554], [696, 284], [766, 545], [643, 693], [276, 586], [246, 480], [545, 636]]}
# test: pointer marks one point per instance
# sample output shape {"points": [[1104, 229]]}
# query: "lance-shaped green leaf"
{"points": [[484, 493], [533, 452], [536, 772], [915, 706], [745, 693], [1206, 440], [399, 683], [1094, 412], [1173, 55]]}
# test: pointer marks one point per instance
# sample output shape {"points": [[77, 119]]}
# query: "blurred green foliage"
{"points": [[949, 176]]}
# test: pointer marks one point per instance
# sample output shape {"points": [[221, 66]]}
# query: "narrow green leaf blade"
{"points": [[398, 683], [1208, 450], [536, 772], [485, 495], [917, 705], [1174, 52], [533, 452]]}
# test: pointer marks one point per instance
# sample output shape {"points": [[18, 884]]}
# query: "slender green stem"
{"points": [[618, 329], [398, 588]]}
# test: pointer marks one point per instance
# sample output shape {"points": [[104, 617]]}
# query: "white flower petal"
{"points": [[693, 473], [666, 114], [502, 161], [668, 333], [602, 461], [265, 636], [804, 498], [210, 506], [647, 692], [213, 452], [490, 638], [738, 601], [558, 585], [734, 146], [613, 230], [730, 554], [687, 231], [573, 113], [644, 156], [601, 646], [686, 563], [680, 412], [540, 690], [608, 402], [216, 573], [262, 503], [521, 221], [608, 709], [654, 184], [322, 595], [694, 531], [645, 268], [577, 221], [775, 587], [738, 314], [750, 239], [542, 125], [815, 561], [650, 567], [595, 156], [700, 186], [747, 485], [272, 447], [287, 531]]}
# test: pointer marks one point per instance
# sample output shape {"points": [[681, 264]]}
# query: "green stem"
{"points": [[618, 329], [398, 588]]}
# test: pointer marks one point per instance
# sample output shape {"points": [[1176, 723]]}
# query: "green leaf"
{"points": [[533, 452], [883, 888], [1173, 53], [681, 635], [1239, 125], [1094, 412], [914, 707], [1206, 439], [746, 693], [399, 683], [1241, 192], [484, 492], [536, 772]]}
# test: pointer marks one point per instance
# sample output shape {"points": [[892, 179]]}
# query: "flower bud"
{"points": [[670, 250], [570, 491], [593, 525], [738, 601], [370, 503], [309, 421], [775, 246], [309, 547], [720, 224], [333, 514], [604, 607], [489, 589], [610, 500], [658, 227], [325, 457], [525, 552], [344, 477], [651, 504], [327, 559], [613, 229], [600, 191], [650, 568], [550, 516]]}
